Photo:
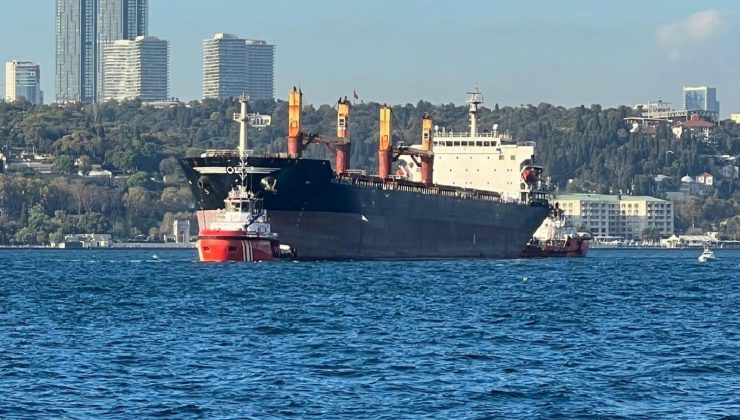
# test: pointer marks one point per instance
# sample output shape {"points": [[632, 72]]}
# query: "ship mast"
{"points": [[244, 119], [475, 98], [241, 118]]}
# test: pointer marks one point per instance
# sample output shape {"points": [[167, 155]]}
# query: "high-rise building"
{"points": [[118, 19], [136, 69], [23, 81], [224, 66], [700, 98], [82, 27], [260, 77], [233, 66]]}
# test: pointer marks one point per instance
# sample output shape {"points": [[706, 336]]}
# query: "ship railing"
{"points": [[220, 153], [527, 143], [466, 134], [406, 186], [360, 172], [227, 153]]}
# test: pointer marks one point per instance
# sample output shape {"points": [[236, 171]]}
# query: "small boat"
{"points": [[707, 255], [556, 237], [239, 232], [568, 247]]}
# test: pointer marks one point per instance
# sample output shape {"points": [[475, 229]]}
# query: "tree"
{"points": [[93, 223], [139, 179], [651, 234], [63, 165]]}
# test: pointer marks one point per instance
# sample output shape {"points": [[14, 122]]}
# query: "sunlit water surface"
{"points": [[142, 333]]}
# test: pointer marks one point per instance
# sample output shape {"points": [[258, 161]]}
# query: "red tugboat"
{"points": [[238, 232], [241, 231], [556, 237]]}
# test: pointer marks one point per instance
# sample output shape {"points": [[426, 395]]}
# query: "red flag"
{"points": [[354, 93]]}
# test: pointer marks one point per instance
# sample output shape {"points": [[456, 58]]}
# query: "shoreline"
{"points": [[117, 246]]}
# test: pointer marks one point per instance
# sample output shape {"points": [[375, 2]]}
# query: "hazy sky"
{"points": [[565, 52]]}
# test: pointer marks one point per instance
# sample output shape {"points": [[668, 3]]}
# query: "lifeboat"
{"points": [[531, 174]]}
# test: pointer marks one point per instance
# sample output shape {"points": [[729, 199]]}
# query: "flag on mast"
{"points": [[354, 94]]}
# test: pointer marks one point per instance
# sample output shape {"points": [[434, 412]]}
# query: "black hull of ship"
{"points": [[323, 216]]}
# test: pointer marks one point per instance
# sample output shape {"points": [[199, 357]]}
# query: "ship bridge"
{"points": [[488, 160]]}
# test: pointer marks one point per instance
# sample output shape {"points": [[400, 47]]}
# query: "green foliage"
{"points": [[139, 179], [63, 165], [651, 234], [584, 149]]}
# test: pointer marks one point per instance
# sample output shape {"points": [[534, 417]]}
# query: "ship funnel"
{"points": [[343, 149], [295, 104], [385, 146], [427, 161]]}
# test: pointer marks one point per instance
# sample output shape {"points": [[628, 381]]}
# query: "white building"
{"points": [[622, 216], [735, 116], [224, 66], [233, 66], [181, 231], [136, 69], [23, 81]]}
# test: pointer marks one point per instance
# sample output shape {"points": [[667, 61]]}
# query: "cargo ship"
{"points": [[326, 213]]}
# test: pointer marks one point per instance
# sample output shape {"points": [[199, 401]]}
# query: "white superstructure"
{"points": [[488, 161]]}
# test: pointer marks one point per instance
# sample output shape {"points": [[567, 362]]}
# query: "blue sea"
{"points": [[149, 333]]}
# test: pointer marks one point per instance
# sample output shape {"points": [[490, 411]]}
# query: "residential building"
{"points": [[691, 186], [23, 81], [699, 128], [224, 66], [623, 216], [260, 75], [233, 66], [705, 179], [700, 98], [735, 117], [82, 27], [118, 19], [136, 69]]}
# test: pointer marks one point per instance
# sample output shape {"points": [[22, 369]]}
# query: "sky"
{"points": [[563, 52]]}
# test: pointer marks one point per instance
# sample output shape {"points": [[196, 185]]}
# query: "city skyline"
{"points": [[82, 28], [572, 53]]}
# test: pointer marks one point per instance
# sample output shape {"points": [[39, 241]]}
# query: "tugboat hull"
{"points": [[573, 247], [221, 246]]}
